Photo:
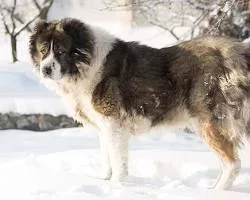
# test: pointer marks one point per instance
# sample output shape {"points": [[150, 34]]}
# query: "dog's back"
{"points": [[208, 77]]}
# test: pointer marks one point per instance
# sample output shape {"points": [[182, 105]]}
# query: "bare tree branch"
{"points": [[37, 5], [166, 29], [161, 26], [198, 21], [4, 22], [16, 16], [202, 5], [216, 26], [44, 8], [148, 10], [12, 17], [26, 25], [47, 5]]}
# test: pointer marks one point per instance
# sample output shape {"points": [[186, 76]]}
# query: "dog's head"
{"points": [[57, 48]]}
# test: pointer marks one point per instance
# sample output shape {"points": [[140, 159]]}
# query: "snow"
{"points": [[247, 41], [21, 92], [64, 164]]}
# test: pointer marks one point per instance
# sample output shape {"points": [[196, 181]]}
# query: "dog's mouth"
{"points": [[50, 68], [46, 72], [49, 73]]}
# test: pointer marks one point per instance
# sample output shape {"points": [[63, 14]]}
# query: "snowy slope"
{"points": [[63, 164], [21, 91]]}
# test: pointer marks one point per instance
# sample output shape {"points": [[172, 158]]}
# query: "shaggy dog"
{"points": [[125, 88]]}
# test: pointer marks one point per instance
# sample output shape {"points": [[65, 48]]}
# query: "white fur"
{"points": [[228, 174], [105, 159]]}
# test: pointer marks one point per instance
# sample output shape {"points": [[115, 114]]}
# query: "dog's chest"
{"points": [[84, 111]]}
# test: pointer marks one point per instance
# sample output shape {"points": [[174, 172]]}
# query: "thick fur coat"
{"points": [[125, 88]]}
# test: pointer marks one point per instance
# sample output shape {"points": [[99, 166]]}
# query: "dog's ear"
{"points": [[82, 39], [38, 28], [40, 25], [59, 27], [79, 32]]}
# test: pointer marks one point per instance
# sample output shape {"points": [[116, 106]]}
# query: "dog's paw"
{"points": [[121, 177], [106, 175]]}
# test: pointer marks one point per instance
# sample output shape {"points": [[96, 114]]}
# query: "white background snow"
{"points": [[65, 164]]}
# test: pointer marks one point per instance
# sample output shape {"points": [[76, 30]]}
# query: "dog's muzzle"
{"points": [[47, 71]]}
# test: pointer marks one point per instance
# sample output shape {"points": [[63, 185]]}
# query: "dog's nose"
{"points": [[47, 71]]}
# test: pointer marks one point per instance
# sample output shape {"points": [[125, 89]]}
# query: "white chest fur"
{"points": [[84, 111]]}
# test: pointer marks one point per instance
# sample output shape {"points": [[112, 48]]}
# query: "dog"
{"points": [[125, 88]]}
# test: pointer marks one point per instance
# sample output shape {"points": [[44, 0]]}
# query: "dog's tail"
{"points": [[235, 87], [246, 105]]}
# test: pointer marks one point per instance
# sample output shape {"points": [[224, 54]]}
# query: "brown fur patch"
{"points": [[105, 99], [225, 148]]}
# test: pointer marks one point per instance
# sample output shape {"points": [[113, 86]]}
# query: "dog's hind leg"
{"points": [[227, 152]]}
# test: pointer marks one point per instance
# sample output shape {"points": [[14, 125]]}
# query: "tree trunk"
{"points": [[13, 48], [127, 15], [45, 10], [44, 13]]}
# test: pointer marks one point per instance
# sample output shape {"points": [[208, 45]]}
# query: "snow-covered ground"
{"points": [[64, 164]]}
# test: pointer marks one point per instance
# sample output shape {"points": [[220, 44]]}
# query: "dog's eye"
{"points": [[43, 50], [60, 52]]}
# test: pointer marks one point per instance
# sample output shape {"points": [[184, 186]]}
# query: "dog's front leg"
{"points": [[117, 143], [105, 161]]}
